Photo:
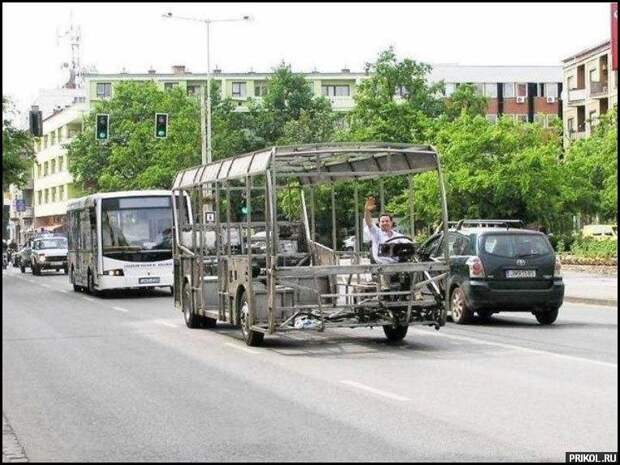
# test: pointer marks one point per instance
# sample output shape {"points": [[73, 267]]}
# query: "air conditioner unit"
{"points": [[520, 99], [550, 99]]}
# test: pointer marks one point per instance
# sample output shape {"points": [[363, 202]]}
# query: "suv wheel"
{"points": [[461, 313], [547, 317]]}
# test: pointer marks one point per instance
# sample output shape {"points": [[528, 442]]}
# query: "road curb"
{"points": [[586, 300]]}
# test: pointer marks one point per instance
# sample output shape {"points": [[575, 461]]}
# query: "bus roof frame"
{"points": [[314, 164]]}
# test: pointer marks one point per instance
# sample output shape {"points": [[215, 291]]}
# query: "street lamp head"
{"points": [[248, 18], [167, 15]]}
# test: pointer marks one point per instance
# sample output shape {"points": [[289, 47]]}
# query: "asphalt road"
{"points": [[121, 378]]}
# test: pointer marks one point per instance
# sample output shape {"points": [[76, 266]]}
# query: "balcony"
{"points": [[576, 96], [598, 89]]}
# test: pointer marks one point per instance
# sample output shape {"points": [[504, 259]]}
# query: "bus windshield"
{"points": [[137, 228]]}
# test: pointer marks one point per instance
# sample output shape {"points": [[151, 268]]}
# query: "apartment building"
{"points": [[52, 181], [591, 90], [527, 93]]}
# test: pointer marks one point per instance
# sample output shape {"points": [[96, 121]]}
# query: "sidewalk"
{"points": [[590, 286]]}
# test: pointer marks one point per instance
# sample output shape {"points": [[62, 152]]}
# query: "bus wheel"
{"points": [[191, 319], [76, 288], [91, 285], [395, 334], [251, 338]]}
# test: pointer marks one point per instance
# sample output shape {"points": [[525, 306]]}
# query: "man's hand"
{"points": [[371, 204]]}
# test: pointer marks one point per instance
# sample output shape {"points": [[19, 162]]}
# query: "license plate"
{"points": [[56, 263], [148, 280], [520, 273]]}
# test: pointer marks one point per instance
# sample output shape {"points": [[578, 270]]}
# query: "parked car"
{"points": [[499, 268], [49, 253], [600, 231]]}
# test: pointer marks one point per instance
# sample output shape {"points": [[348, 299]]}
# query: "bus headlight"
{"points": [[41, 258], [118, 272]]}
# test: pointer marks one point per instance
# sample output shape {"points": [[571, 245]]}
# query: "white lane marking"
{"points": [[46, 285], [165, 323], [238, 347], [120, 309], [89, 299], [64, 291], [379, 392], [518, 348]]}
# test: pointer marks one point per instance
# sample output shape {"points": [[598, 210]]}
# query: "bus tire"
{"points": [[251, 337], [395, 334], [76, 288], [91, 285], [192, 320]]}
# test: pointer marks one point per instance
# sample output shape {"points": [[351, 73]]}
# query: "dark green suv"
{"points": [[497, 267]]}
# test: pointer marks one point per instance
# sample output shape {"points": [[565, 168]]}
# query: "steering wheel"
{"points": [[399, 237]]}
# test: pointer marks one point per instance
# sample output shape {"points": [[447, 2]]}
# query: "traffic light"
{"points": [[36, 122], [161, 125], [102, 130]]}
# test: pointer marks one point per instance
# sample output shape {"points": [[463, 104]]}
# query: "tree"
{"points": [[502, 170], [591, 171], [133, 158], [289, 113], [465, 100], [17, 149], [381, 116]]}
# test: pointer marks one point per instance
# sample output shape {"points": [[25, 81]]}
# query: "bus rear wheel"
{"points": [[192, 320], [251, 337]]}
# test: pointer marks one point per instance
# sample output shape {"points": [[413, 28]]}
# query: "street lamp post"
{"points": [[207, 158]]}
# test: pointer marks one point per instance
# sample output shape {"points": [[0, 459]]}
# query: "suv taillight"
{"points": [[557, 270], [476, 269]]}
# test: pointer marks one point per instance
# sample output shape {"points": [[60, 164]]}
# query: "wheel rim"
{"points": [[244, 318], [457, 305]]}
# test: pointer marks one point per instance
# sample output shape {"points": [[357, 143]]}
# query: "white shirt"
{"points": [[378, 237]]}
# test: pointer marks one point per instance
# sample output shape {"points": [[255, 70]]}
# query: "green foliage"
{"points": [[289, 113], [133, 158], [591, 171], [591, 248], [465, 101], [17, 149], [380, 116]]}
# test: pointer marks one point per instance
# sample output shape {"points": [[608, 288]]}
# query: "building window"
{"points": [[53, 189], [61, 192], [592, 118], [570, 125], [52, 166], [239, 89], [170, 85], [490, 90], [260, 89], [193, 90], [540, 119], [60, 161], [47, 195], [39, 169], [450, 87], [521, 90], [521, 118], [491, 117], [60, 131], [45, 171], [509, 90], [551, 89], [39, 197], [44, 142], [342, 91], [570, 82], [104, 89]]}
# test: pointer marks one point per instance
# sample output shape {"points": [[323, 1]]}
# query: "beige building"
{"points": [[53, 183], [590, 90]]}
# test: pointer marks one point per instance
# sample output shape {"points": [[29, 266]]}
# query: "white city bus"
{"points": [[120, 240]]}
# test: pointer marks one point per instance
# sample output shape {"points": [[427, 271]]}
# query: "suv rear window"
{"points": [[515, 245]]}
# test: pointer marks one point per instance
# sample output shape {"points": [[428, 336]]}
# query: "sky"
{"points": [[322, 36]]}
